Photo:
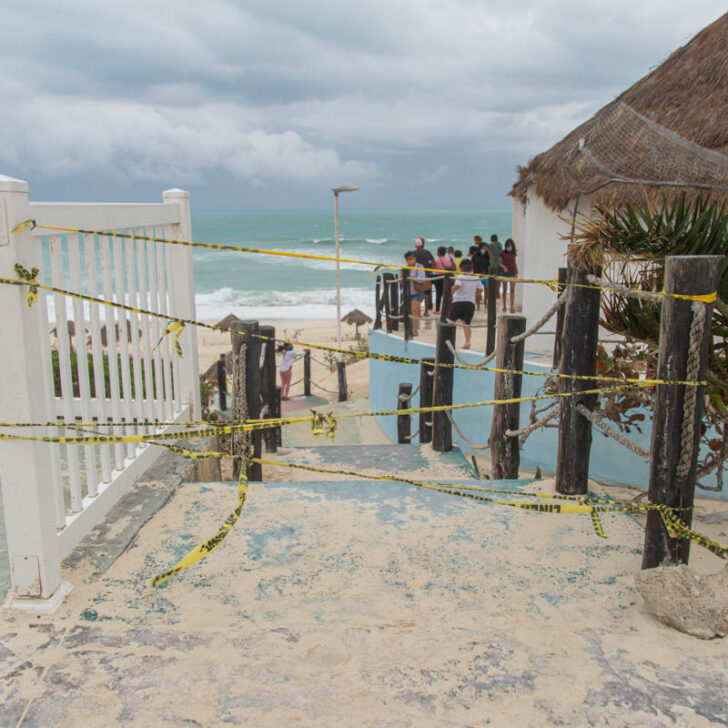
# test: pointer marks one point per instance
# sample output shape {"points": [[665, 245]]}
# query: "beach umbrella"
{"points": [[357, 318]]}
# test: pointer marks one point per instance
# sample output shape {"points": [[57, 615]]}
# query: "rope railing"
{"points": [[624, 291], [479, 364], [597, 419], [560, 301], [524, 432], [462, 435], [408, 397]]}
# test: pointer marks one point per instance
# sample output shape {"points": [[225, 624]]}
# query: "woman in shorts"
{"points": [[464, 290]]}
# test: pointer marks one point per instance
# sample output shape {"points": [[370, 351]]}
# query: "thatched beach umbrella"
{"points": [[225, 323], [665, 136], [356, 318]]}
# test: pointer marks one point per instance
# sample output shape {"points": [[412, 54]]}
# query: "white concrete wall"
{"points": [[537, 232]]}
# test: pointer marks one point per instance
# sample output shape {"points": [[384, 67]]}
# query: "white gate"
{"points": [[100, 364]]}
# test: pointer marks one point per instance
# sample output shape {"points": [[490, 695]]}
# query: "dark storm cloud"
{"points": [[407, 98]]}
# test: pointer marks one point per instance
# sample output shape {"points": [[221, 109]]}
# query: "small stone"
{"points": [[682, 599]]}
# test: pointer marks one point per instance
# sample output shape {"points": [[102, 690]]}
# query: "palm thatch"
{"points": [[665, 136]]}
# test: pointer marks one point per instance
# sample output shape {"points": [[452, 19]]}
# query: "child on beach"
{"points": [[286, 367], [464, 290], [508, 269]]}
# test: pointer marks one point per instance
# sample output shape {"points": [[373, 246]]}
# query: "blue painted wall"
{"points": [[608, 461]]}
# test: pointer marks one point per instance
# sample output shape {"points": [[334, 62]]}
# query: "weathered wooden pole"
{"points": [[403, 421], [307, 373], [378, 305], [427, 383], [559, 320], [579, 357], [341, 371], [406, 305], [505, 451], [222, 382], [246, 393], [442, 394], [268, 383], [277, 413], [492, 310], [387, 300], [394, 302], [446, 301], [685, 336]]}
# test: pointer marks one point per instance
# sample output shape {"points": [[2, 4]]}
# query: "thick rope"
{"points": [[481, 363], [408, 397], [524, 432], [624, 291], [687, 436], [560, 301], [470, 444], [597, 420], [413, 435]]}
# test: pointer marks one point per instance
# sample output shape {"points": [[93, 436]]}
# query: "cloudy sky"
{"points": [[268, 103]]}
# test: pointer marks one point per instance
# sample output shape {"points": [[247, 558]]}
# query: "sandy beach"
{"points": [[315, 331]]}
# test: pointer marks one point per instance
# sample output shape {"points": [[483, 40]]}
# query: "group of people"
{"points": [[471, 278]]}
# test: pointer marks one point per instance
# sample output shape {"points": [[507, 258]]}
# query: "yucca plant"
{"points": [[630, 243]]}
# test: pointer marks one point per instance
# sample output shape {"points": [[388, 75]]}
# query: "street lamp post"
{"points": [[346, 187]]}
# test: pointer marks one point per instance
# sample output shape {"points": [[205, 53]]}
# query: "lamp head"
{"points": [[346, 187]]}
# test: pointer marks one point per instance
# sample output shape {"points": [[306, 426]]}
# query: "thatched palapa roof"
{"points": [[667, 135]]}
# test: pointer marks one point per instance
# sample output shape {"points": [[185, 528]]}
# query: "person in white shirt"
{"points": [[464, 290], [286, 367]]}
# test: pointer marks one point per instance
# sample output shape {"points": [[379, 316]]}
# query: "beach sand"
{"points": [[315, 331]]}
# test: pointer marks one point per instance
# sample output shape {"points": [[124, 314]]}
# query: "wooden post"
{"points": [[559, 320], [406, 305], [403, 421], [394, 301], [492, 310], [386, 301], [268, 383], [307, 373], [442, 394], [378, 305], [343, 392], [672, 472], [579, 356], [446, 302], [277, 413], [427, 383], [222, 382], [505, 451], [246, 400]]}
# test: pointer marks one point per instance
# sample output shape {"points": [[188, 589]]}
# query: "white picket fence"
{"points": [[54, 494]]}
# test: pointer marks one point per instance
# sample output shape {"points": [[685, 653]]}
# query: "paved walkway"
{"points": [[361, 603]]}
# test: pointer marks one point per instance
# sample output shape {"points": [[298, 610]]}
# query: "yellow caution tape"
{"points": [[358, 354], [574, 505], [207, 547], [707, 298], [176, 328], [29, 277]]}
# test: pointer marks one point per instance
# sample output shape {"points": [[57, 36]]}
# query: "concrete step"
{"points": [[411, 461]]}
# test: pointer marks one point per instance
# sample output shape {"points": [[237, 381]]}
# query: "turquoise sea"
{"points": [[260, 286]]}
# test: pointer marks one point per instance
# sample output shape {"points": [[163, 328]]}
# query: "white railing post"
{"points": [[183, 302], [25, 467]]}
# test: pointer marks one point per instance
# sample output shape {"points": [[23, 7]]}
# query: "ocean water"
{"points": [[259, 286]]}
